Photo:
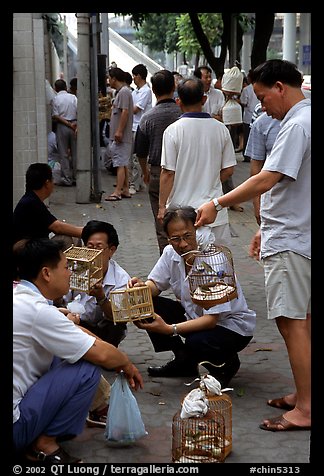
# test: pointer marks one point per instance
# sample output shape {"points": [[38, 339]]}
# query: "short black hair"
{"points": [[97, 226], [197, 72], [191, 91], [162, 82], [117, 73], [31, 255], [274, 70], [140, 69], [186, 214], [36, 175]]}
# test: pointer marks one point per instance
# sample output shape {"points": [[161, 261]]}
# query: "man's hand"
{"points": [[161, 213], [133, 375], [255, 246], [97, 291], [158, 325], [206, 214], [135, 282]]}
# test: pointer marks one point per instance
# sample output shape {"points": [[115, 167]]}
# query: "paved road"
{"points": [[264, 372]]}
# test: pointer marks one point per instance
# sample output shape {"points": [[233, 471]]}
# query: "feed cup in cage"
{"points": [[131, 304], [198, 439], [212, 278], [86, 266]]}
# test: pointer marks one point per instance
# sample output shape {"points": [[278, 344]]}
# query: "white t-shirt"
{"points": [[215, 101], [40, 332], [169, 272], [286, 208], [142, 98], [115, 278], [197, 148]]}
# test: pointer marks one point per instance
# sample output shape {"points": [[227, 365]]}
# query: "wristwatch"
{"points": [[175, 333], [218, 206]]}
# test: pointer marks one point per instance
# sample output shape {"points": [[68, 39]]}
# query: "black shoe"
{"points": [[174, 368], [225, 374]]}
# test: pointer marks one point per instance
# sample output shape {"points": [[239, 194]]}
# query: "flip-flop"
{"points": [[113, 198], [125, 196], [281, 424], [280, 403]]}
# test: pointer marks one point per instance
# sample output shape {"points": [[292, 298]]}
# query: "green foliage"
{"points": [[55, 28], [159, 32], [212, 26]]}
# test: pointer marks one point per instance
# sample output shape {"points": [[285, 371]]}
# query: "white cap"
{"points": [[232, 81]]}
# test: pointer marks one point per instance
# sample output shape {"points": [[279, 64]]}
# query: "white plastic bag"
{"points": [[124, 421], [75, 305]]}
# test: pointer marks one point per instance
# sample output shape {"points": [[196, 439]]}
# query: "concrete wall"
{"points": [[29, 99]]}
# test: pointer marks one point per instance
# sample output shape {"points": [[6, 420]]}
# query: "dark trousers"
{"points": [[58, 403], [217, 345], [154, 190]]}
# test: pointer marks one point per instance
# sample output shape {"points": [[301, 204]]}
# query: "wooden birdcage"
{"points": [[86, 266], [131, 304], [223, 404], [105, 105], [212, 278], [198, 439]]}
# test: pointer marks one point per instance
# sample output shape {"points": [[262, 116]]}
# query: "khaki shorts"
{"points": [[287, 285], [119, 153]]}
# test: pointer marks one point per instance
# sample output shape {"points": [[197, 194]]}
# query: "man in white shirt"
{"points": [[97, 317], [215, 99], [197, 156], [64, 112], [284, 239], [216, 334], [56, 364], [142, 100]]}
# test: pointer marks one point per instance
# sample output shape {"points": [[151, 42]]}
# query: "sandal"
{"points": [[281, 424], [125, 196], [58, 456], [280, 403], [113, 198]]}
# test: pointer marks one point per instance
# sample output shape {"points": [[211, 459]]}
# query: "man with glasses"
{"points": [[215, 335], [98, 318]]}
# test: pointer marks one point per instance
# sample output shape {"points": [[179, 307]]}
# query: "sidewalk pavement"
{"points": [[264, 372]]}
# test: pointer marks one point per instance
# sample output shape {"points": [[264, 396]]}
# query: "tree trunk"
{"points": [[217, 64], [263, 30]]}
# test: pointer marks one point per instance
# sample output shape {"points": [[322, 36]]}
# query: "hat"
{"points": [[232, 80]]}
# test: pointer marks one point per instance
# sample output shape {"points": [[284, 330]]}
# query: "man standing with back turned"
{"points": [[284, 239]]}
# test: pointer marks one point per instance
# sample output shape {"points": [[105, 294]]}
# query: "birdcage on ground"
{"points": [[131, 304], [221, 403], [211, 277], [86, 265], [198, 439]]}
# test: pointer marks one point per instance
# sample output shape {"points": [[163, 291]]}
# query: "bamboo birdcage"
{"points": [[198, 439], [223, 404], [212, 278], [86, 266], [105, 105], [131, 304]]}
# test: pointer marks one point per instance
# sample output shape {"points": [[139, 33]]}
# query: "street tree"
{"points": [[262, 24]]}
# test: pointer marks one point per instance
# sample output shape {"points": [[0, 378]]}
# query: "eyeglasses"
{"points": [[97, 246], [175, 240]]}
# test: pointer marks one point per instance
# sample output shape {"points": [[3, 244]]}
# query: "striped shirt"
{"points": [[148, 140]]}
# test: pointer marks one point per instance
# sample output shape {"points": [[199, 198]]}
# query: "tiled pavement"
{"points": [[264, 371]]}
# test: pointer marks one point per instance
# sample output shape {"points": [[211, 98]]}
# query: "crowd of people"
{"points": [[182, 150]]}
